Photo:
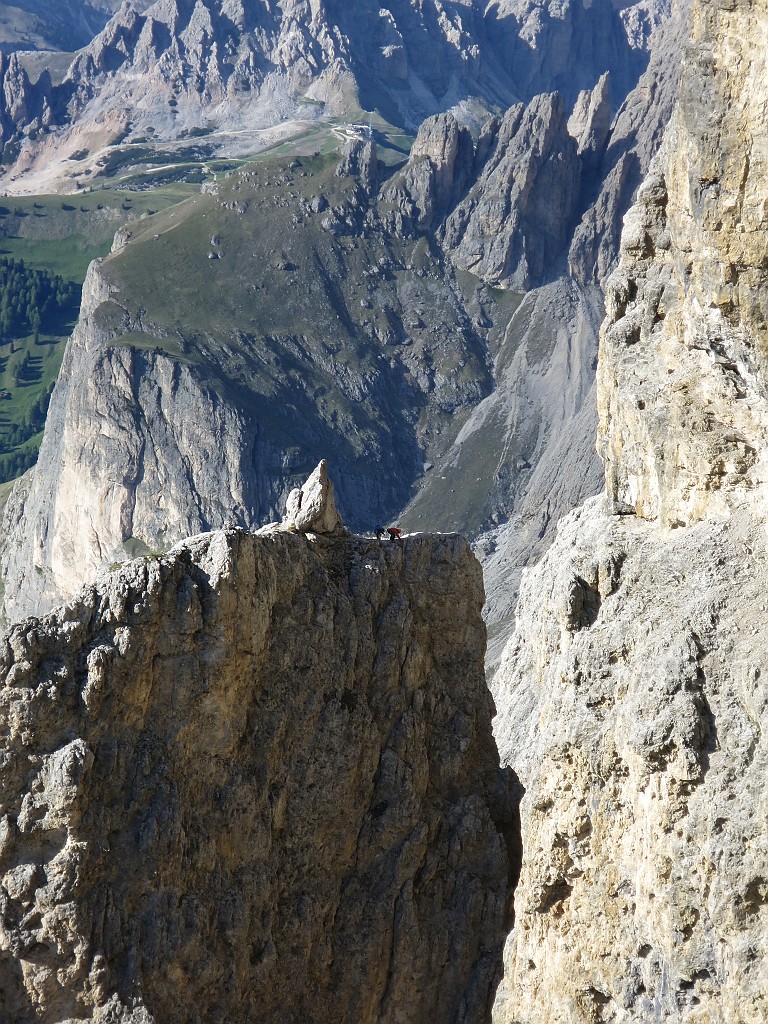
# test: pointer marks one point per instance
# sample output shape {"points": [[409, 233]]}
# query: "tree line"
{"points": [[14, 463], [31, 300]]}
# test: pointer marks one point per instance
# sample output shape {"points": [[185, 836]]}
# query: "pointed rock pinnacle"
{"points": [[311, 508]]}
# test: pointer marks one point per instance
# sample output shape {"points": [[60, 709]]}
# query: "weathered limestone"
{"points": [[311, 508], [633, 701], [633, 697], [254, 780]]}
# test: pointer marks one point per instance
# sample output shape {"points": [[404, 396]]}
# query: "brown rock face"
{"points": [[254, 780]]}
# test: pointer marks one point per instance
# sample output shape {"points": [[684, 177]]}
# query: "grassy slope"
{"points": [[326, 340], [63, 235]]}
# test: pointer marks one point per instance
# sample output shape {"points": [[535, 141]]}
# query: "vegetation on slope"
{"points": [[338, 336], [46, 244]]}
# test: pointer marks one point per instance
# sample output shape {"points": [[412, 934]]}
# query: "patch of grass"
{"points": [[66, 233], [61, 236], [324, 331]]}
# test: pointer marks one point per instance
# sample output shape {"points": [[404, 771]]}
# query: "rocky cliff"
{"points": [[254, 780], [635, 682], [175, 67], [386, 328]]}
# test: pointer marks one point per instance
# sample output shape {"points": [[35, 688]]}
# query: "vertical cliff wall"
{"points": [[633, 697], [254, 781]]}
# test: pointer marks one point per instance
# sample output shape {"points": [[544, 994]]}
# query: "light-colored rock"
{"points": [[311, 508], [633, 696], [633, 705], [254, 780], [590, 122]]}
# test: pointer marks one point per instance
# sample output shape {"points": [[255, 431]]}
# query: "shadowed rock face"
{"points": [[515, 220], [254, 781]]}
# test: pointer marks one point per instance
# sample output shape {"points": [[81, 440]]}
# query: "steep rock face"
{"points": [[684, 369], [127, 460], [515, 220], [633, 702], [633, 695], [435, 177], [254, 780]]}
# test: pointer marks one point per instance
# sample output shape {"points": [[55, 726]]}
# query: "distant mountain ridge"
{"points": [[63, 25], [208, 64]]}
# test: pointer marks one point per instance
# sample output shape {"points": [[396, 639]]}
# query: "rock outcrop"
{"points": [[633, 696], [515, 220], [311, 508], [254, 780]]}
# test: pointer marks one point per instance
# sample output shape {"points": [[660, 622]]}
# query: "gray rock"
{"points": [[359, 161], [516, 218], [437, 174], [590, 122]]}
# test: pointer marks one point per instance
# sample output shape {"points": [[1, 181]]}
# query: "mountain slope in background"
{"points": [[214, 66], [65, 25], [387, 330]]}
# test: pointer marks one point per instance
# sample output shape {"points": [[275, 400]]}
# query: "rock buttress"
{"points": [[633, 697], [254, 780]]}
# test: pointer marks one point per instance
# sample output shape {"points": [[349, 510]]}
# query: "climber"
{"points": [[379, 531], [395, 533]]}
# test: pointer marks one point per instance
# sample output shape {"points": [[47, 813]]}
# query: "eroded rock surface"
{"points": [[633, 696], [254, 780], [633, 705], [514, 222], [311, 508]]}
